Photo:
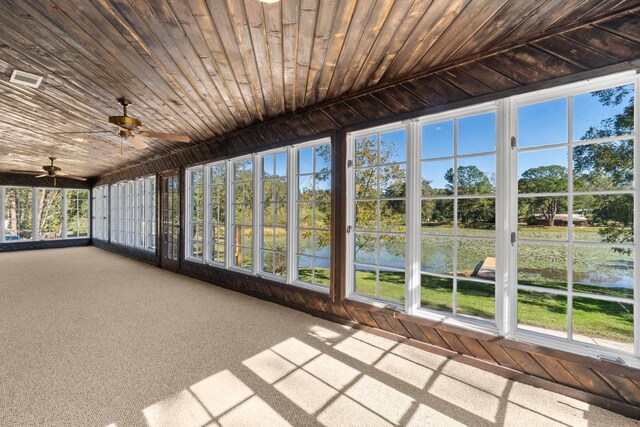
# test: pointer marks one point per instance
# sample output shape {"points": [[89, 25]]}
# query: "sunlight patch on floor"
{"points": [[180, 410], [426, 416], [269, 366], [380, 398], [405, 370], [253, 412], [221, 392]]}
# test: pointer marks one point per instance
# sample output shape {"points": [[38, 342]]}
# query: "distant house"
{"points": [[562, 220]]}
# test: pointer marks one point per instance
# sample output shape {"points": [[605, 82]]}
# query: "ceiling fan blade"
{"points": [[42, 176], [77, 178], [59, 173], [167, 136], [25, 172], [137, 142], [81, 133]]}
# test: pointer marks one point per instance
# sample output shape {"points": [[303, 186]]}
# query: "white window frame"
{"points": [[208, 226], [572, 90], [293, 213], [189, 221], [65, 204], [259, 160], [35, 232], [114, 207], [351, 220], [506, 219], [231, 214]]}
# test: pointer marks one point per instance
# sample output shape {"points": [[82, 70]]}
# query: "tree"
{"points": [[390, 179], [543, 179], [606, 166], [471, 180]]}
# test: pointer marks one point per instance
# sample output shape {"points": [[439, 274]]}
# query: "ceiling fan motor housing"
{"points": [[126, 122]]}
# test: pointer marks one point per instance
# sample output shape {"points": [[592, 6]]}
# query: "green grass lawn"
{"points": [[592, 317], [540, 265]]}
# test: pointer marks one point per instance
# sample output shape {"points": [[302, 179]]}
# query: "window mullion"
{"points": [[292, 220], [2, 211], [503, 245], [636, 220], [64, 213], [35, 214], [570, 219], [206, 214], [413, 219], [510, 210], [256, 263]]}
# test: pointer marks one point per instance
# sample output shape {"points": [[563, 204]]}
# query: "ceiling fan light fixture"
{"points": [[269, 1], [79, 139]]}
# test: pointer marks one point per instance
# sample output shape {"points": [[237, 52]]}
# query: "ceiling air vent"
{"points": [[25, 79]]}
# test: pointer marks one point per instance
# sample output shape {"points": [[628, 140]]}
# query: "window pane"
{"points": [[542, 265], [305, 215], [323, 158], [393, 147], [366, 183], [543, 313], [477, 217], [323, 186], [268, 166], [305, 160], [437, 178], [477, 175], [321, 275], [305, 243], [604, 166], [436, 293], [322, 216], [305, 269], [476, 299], [365, 248], [281, 165], [18, 214], [477, 258], [437, 255], [543, 171], [393, 216], [50, 214], [603, 218], [366, 152], [600, 114], [543, 218], [604, 271], [604, 323], [391, 285], [477, 134], [366, 216], [543, 123], [305, 187], [365, 280], [437, 140], [243, 214], [393, 181], [391, 250], [314, 244], [437, 216]]}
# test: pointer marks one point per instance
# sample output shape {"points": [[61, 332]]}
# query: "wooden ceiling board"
{"points": [[208, 68]]}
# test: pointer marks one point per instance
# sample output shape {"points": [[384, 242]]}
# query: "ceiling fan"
{"points": [[127, 129], [49, 171]]}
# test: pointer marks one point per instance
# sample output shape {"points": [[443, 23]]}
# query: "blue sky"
{"points": [[539, 124]]}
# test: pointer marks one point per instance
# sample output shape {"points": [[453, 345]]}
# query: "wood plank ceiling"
{"points": [[206, 68]]}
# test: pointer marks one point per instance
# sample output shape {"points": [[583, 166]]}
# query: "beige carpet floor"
{"points": [[89, 338]]}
